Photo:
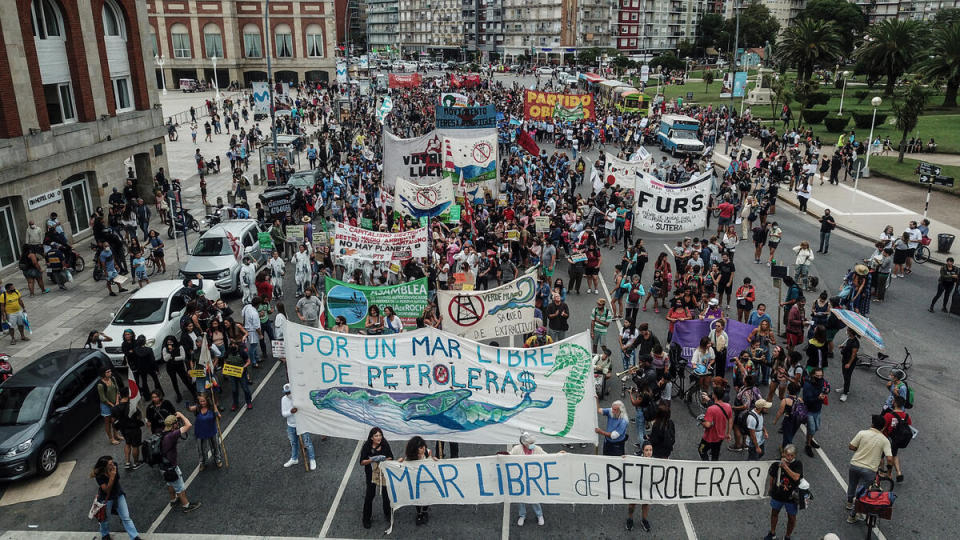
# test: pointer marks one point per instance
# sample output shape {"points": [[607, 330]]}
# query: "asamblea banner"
{"points": [[462, 117], [472, 153], [438, 385], [423, 200], [539, 105], [379, 246], [672, 208], [352, 301], [507, 310], [419, 160], [571, 479]]}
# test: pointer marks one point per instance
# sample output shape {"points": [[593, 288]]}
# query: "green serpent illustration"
{"points": [[579, 360]]}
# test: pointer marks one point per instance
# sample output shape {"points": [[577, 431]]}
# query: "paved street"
{"points": [[257, 496]]}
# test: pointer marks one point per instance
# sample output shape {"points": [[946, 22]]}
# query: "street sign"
{"points": [[926, 179], [928, 169], [943, 180]]}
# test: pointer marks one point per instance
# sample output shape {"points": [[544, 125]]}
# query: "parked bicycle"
{"points": [[887, 365]]}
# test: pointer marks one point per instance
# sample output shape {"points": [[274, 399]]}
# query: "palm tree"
{"points": [[893, 45], [708, 78], [943, 62], [808, 42], [907, 110]]}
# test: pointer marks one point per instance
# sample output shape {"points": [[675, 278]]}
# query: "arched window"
{"points": [[115, 40], [314, 41], [212, 41], [180, 37], [284, 41], [50, 42], [112, 20], [251, 41]]}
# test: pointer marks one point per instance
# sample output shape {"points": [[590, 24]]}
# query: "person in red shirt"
{"points": [[716, 426], [746, 295], [726, 215], [891, 419], [264, 287]]}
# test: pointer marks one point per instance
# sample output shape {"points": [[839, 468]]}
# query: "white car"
{"points": [[545, 71], [154, 312]]}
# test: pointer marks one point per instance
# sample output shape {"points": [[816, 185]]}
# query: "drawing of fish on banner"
{"points": [[423, 201]]}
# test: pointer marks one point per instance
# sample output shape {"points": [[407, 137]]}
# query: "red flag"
{"points": [[527, 143], [135, 397]]}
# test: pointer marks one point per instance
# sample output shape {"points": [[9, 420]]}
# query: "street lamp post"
{"points": [[159, 60], [216, 83], [843, 91], [876, 101]]}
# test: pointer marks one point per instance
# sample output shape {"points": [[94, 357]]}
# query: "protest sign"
{"points": [[419, 160], [462, 117], [319, 238], [277, 348], [230, 370], [513, 235], [379, 246], [542, 224], [471, 154], [739, 84], [353, 301], [366, 223], [295, 233], [261, 97], [423, 201], [453, 99], [687, 334], [507, 310], [470, 80], [617, 172], [411, 80], [266, 243], [197, 373], [454, 214], [438, 385], [671, 208], [386, 105], [572, 479], [563, 107]]}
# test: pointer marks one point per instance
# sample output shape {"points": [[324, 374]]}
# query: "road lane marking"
{"points": [[505, 523], [343, 486], [196, 471], [684, 514]]}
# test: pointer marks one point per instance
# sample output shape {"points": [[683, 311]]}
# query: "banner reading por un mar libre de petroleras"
{"points": [[440, 386]]}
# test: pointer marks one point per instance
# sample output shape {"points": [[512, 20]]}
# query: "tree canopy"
{"points": [[847, 16]]}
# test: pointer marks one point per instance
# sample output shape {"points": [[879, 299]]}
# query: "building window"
{"points": [[181, 41], [76, 198], [213, 41], [121, 93], [112, 25], [251, 41], [284, 41], [59, 99], [314, 41], [153, 42], [46, 19]]}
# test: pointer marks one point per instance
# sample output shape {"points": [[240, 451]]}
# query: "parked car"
{"points": [[543, 70], [189, 85], [46, 406], [218, 257], [153, 311]]}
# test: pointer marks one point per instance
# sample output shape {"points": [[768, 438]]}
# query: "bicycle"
{"points": [[921, 254], [865, 360]]}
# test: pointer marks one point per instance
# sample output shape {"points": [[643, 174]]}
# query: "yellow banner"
{"points": [[230, 370], [197, 373]]}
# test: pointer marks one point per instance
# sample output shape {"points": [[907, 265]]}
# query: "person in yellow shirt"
{"points": [[538, 339], [870, 447], [12, 308]]}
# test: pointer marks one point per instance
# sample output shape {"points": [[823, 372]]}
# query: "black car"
{"points": [[44, 407]]}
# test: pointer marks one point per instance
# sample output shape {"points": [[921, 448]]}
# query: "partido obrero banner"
{"points": [[354, 242], [353, 301], [687, 334], [539, 105], [440, 386], [672, 208], [572, 479], [505, 311]]}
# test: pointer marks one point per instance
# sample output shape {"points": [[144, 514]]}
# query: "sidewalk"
{"points": [[863, 214]]}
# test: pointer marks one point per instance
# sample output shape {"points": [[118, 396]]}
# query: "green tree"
{"points": [[621, 63], [667, 61], [686, 48], [907, 110], [757, 26], [847, 16], [708, 78], [894, 45], [942, 63], [711, 32], [946, 17], [589, 56], [808, 42], [781, 95]]}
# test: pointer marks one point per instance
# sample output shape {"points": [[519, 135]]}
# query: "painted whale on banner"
{"points": [[448, 411]]}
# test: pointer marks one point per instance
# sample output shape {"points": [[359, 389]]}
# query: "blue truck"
{"points": [[678, 135]]}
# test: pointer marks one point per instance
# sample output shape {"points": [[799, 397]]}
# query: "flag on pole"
{"points": [[135, 397], [206, 362], [527, 143]]}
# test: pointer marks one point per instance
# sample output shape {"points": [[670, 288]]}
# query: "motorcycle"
{"points": [[213, 219], [6, 368], [177, 224], [599, 375]]}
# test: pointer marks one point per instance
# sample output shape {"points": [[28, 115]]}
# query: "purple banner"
{"points": [[687, 334]]}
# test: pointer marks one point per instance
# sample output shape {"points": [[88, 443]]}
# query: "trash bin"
{"points": [[945, 242]]}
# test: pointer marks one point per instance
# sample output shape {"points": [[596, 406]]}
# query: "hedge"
{"points": [[836, 124], [862, 120], [812, 116], [818, 98]]}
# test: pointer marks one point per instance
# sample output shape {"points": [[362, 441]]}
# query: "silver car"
{"points": [[218, 254]]}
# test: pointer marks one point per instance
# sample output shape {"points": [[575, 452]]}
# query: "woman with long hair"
{"points": [[175, 357], [374, 323], [375, 450], [205, 430], [417, 450], [109, 492]]}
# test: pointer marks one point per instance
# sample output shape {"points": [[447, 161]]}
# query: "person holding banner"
{"points": [[782, 485], [206, 430], [615, 436], [528, 448], [375, 450], [288, 410], [417, 450], [644, 508]]}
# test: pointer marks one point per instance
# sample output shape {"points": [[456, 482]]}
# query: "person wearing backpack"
{"points": [[869, 447], [897, 388], [756, 432], [793, 411], [897, 429], [782, 485]]}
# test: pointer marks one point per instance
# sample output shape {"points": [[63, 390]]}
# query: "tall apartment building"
{"points": [[78, 103], [301, 39], [596, 23], [665, 23], [532, 26], [920, 10], [483, 27], [431, 27], [383, 25], [351, 23]]}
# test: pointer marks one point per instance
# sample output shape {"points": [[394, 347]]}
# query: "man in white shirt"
{"points": [[251, 323], [757, 434], [248, 277], [288, 410], [915, 237]]}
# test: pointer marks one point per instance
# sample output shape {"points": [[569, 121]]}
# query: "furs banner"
{"points": [[354, 242], [687, 334], [440, 386], [419, 160], [672, 208], [484, 116], [571, 479], [404, 81], [507, 310], [539, 105], [423, 200], [472, 153], [352, 301]]}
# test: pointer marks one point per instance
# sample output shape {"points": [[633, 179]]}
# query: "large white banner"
{"points": [[672, 208], [472, 153], [619, 172], [440, 386], [418, 160], [261, 98], [507, 310], [572, 479], [379, 246], [423, 200]]}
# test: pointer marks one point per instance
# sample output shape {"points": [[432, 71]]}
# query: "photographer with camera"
{"points": [[175, 426], [643, 397]]}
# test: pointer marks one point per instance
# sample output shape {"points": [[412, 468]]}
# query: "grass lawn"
{"points": [[904, 172]]}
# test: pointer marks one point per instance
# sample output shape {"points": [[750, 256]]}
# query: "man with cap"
{"points": [[248, 279], [756, 432], [528, 448], [168, 446], [288, 410]]}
